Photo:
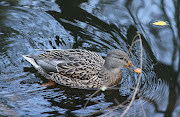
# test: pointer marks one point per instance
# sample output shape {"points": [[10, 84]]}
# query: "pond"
{"points": [[98, 26]]}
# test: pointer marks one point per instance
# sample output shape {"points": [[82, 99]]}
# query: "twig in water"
{"points": [[91, 97], [135, 89], [139, 79]]}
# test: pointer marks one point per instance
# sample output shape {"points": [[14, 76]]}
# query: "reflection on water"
{"points": [[97, 26]]}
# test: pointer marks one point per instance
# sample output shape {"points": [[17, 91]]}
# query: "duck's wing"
{"points": [[82, 70], [72, 55], [47, 64], [46, 50], [72, 63]]}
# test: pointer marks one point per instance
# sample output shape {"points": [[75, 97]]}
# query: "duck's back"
{"points": [[73, 63], [73, 55]]}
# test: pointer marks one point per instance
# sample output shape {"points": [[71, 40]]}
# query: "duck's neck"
{"points": [[111, 77], [110, 68]]}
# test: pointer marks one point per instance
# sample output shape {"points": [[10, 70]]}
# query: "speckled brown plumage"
{"points": [[79, 68]]}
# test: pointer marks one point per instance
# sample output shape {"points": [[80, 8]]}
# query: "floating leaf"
{"points": [[160, 23], [103, 88]]}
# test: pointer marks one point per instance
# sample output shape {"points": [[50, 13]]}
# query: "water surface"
{"points": [[98, 26]]}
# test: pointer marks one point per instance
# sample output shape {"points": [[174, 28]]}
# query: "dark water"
{"points": [[96, 25]]}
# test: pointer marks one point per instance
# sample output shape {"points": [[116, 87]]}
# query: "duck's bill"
{"points": [[133, 68]]}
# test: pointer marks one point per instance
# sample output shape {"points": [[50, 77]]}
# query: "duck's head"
{"points": [[116, 59]]}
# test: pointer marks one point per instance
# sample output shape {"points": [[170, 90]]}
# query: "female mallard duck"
{"points": [[79, 68]]}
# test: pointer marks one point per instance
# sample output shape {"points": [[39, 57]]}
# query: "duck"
{"points": [[80, 68]]}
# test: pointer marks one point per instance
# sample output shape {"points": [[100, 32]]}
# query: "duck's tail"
{"points": [[31, 60]]}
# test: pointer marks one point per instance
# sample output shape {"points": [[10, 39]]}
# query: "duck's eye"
{"points": [[121, 58]]}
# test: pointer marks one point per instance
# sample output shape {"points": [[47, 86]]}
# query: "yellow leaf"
{"points": [[161, 23]]}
